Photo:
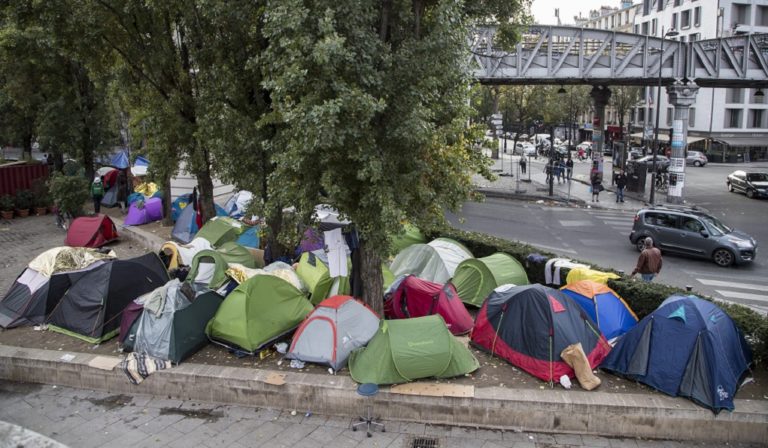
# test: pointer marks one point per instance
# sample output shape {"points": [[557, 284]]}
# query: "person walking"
{"points": [[568, 167], [621, 183], [97, 193], [523, 164], [596, 183], [122, 190], [649, 263]]}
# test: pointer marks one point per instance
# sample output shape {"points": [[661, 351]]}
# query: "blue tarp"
{"points": [[249, 238], [141, 161], [120, 160]]}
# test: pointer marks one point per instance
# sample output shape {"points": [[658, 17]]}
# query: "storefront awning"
{"points": [[744, 141], [665, 137]]}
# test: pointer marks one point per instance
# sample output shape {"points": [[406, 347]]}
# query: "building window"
{"points": [[732, 118], [755, 100], [670, 114], [756, 118], [637, 29], [740, 14], [654, 27], [645, 28], [692, 117], [678, 2], [685, 19], [762, 16], [734, 96], [674, 21], [694, 37], [697, 16]]}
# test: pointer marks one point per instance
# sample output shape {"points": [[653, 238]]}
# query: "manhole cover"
{"points": [[424, 442]]}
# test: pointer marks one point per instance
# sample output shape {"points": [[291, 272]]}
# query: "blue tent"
{"points": [[687, 347], [141, 161], [186, 225], [178, 205], [249, 238], [611, 313], [120, 160]]}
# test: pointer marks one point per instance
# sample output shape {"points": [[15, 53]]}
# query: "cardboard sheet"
{"points": [[104, 362], [434, 390], [276, 379]]}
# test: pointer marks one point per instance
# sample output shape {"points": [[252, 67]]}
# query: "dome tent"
{"points": [[332, 331], [529, 326], [210, 265], [435, 261], [257, 312], [475, 278], [408, 349], [91, 231], [687, 347], [313, 271], [415, 297], [610, 312]]}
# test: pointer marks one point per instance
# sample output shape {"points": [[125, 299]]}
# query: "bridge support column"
{"points": [[600, 96], [682, 95]]}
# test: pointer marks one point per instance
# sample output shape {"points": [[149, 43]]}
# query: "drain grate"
{"points": [[424, 442]]}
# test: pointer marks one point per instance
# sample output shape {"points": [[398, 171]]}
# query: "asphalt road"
{"points": [[601, 236]]}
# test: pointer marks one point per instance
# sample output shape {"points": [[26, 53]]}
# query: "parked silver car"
{"points": [[689, 231], [753, 183], [696, 158]]}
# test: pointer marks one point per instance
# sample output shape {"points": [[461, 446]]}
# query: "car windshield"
{"points": [[715, 226], [757, 177]]}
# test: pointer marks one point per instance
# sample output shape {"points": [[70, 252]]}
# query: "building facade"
{"points": [[728, 124]]}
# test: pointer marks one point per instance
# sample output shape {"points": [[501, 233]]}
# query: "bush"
{"points": [[69, 193], [42, 197], [6, 203], [24, 199], [642, 297]]}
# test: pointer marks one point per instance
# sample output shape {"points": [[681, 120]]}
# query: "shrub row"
{"points": [[643, 297]]}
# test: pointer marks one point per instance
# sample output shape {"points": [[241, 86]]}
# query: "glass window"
{"points": [[685, 19], [678, 2], [645, 28], [756, 100], [670, 114], [653, 26], [740, 14], [756, 119], [734, 96], [697, 16], [661, 219], [692, 117], [732, 118], [761, 19], [757, 177], [674, 21], [715, 226], [691, 224]]}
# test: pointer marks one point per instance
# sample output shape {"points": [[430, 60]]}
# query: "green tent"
{"points": [[220, 230], [475, 278], [257, 312], [313, 271], [404, 350], [411, 235], [210, 266]]}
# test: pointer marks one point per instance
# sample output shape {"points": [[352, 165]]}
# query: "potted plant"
{"points": [[6, 206], [24, 201]]}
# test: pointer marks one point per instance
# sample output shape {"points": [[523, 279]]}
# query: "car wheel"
{"points": [[751, 194], [730, 187], [696, 163], [640, 244], [723, 257]]}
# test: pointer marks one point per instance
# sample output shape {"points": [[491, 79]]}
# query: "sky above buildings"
{"points": [[544, 10]]}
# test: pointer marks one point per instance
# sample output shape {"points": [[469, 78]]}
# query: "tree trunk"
{"points": [[205, 185], [167, 203], [27, 154], [373, 281]]}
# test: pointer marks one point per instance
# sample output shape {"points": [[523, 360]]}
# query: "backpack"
{"points": [[97, 189]]}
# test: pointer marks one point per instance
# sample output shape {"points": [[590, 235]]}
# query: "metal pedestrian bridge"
{"points": [[568, 55]]}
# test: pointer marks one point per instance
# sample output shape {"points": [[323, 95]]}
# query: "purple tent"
{"points": [[144, 212], [130, 314], [312, 240]]}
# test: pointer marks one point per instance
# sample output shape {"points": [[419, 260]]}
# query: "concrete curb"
{"points": [[15, 436], [552, 410], [148, 240]]}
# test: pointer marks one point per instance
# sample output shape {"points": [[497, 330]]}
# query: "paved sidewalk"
{"points": [[85, 419]]}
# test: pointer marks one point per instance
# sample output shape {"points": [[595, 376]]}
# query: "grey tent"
{"points": [[110, 197], [176, 331], [328, 335], [92, 306]]}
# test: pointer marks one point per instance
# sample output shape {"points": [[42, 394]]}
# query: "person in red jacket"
{"points": [[649, 263]]}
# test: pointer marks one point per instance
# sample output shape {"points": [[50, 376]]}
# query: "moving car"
{"points": [[696, 158], [692, 232], [662, 163], [752, 183]]}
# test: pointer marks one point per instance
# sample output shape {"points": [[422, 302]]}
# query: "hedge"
{"points": [[643, 297]]}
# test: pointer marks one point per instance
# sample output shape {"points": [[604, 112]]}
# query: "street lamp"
{"points": [[670, 33]]}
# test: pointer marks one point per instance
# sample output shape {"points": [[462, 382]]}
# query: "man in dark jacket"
{"points": [[621, 183]]}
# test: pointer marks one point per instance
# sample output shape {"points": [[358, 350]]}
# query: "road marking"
{"points": [[554, 249], [757, 308], [743, 295], [618, 221], [736, 285], [575, 223], [728, 275]]}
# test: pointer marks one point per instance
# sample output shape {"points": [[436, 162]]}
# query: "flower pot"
{"points": [[6, 214], [22, 212], [41, 210]]}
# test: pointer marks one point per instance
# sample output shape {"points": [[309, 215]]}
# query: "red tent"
{"points": [[91, 231], [416, 297]]}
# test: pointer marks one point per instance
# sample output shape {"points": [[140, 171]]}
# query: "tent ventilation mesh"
{"points": [[424, 442]]}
